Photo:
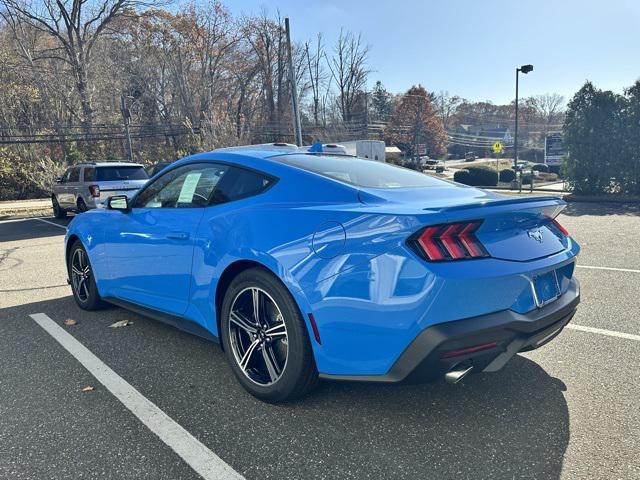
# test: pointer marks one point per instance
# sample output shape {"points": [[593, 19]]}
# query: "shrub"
{"points": [[462, 176], [477, 176], [540, 167], [483, 176], [507, 175]]}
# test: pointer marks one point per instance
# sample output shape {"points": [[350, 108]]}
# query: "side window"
{"points": [[65, 177], [184, 187], [239, 183], [89, 174], [74, 175]]}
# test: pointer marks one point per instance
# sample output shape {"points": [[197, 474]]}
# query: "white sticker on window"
{"points": [[189, 187]]}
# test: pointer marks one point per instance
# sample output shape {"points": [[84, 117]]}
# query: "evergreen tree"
{"points": [[381, 102], [594, 137], [631, 155]]}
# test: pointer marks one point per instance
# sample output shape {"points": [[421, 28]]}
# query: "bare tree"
{"points": [[550, 109], [75, 25], [349, 71], [266, 38], [317, 76], [445, 106]]}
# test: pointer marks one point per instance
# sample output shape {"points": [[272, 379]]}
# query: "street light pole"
{"points": [[524, 69], [515, 136]]}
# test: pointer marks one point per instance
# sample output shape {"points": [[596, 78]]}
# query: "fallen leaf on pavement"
{"points": [[121, 323], [88, 389], [70, 322]]}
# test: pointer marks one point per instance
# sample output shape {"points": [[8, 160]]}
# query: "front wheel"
{"points": [[83, 284], [265, 339], [58, 211]]}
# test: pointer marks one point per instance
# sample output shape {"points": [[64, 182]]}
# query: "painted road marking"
{"points": [[13, 220], [614, 269], [602, 331], [49, 222], [195, 454]]}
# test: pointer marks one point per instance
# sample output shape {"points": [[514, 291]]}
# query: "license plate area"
{"points": [[545, 288]]}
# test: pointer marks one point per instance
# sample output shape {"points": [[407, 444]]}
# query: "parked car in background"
{"points": [[469, 157], [431, 163], [89, 185]]}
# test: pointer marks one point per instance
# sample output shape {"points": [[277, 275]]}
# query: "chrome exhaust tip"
{"points": [[456, 374]]}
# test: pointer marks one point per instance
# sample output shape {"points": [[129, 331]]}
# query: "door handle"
{"points": [[178, 236]]}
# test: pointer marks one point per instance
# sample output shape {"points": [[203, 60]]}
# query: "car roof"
{"points": [[117, 164], [266, 160], [108, 164]]}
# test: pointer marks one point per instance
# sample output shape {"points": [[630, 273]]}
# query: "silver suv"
{"points": [[89, 185]]}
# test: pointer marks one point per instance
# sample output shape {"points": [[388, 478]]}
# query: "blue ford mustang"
{"points": [[308, 266]]}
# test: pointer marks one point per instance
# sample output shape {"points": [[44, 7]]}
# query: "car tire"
{"points": [[83, 285], [58, 211], [82, 207], [289, 350]]}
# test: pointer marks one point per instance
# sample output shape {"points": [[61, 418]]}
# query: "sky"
{"points": [[471, 48]]}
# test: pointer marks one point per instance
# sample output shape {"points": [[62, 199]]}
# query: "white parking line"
{"points": [[12, 220], [49, 222], [601, 331], [195, 454], [614, 269]]}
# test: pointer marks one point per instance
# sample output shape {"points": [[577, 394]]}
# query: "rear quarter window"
{"points": [[111, 174], [240, 183], [360, 172]]}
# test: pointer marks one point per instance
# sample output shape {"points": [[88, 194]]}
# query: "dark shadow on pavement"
{"points": [[510, 424], [31, 228]]}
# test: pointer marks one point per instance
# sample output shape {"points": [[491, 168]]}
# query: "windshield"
{"points": [[361, 172], [107, 174]]}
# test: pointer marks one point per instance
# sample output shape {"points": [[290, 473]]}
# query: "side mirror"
{"points": [[118, 202], [58, 179]]}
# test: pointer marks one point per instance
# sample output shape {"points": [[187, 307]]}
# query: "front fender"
{"points": [[88, 229]]}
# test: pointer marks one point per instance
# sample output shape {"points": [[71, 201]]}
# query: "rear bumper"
{"points": [[438, 348]]}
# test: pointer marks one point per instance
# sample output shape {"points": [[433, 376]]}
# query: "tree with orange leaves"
{"points": [[415, 122]]}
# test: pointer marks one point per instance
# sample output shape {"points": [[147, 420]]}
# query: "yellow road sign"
{"points": [[497, 147]]}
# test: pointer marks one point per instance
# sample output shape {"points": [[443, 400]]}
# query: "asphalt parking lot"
{"points": [[568, 410]]}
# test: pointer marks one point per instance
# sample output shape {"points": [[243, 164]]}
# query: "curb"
{"points": [[602, 199], [24, 212]]}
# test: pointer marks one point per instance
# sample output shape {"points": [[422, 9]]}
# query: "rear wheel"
{"points": [[58, 211], [82, 207], [265, 339], [83, 284]]}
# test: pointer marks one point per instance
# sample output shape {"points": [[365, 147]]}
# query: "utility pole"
{"points": [[366, 115], [294, 89], [126, 118]]}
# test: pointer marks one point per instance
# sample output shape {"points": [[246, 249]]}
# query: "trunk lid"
{"points": [[513, 228]]}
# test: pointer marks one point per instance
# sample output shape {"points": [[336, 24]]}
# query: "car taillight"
{"points": [[94, 190], [450, 241], [557, 224]]}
